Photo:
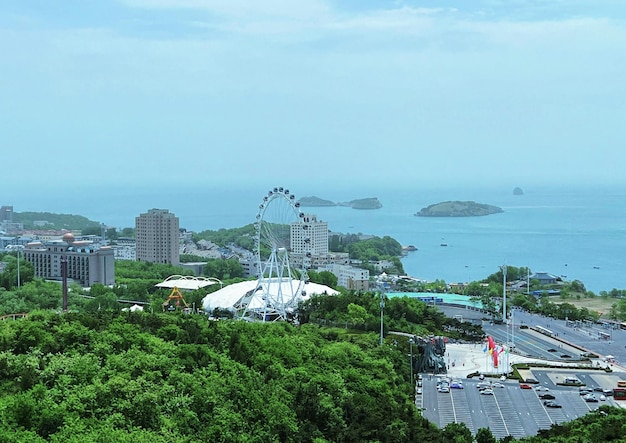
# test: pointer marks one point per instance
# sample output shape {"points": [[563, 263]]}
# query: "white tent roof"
{"points": [[186, 282], [230, 296]]}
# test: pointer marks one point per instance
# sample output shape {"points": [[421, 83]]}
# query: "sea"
{"points": [[575, 232]]}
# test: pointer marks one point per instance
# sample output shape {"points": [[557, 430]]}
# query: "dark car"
{"points": [[551, 404], [531, 380], [546, 396]]}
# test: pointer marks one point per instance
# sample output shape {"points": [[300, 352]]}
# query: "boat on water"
{"points": [[443, 244]]}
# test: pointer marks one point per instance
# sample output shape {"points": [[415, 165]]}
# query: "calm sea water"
{"points": [[576, 233]]}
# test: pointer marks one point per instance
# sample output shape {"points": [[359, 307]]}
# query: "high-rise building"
{"points": [[309, 235], [157, 235]]}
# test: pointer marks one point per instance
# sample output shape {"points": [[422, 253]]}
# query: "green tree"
{"points": [[484, 435]]}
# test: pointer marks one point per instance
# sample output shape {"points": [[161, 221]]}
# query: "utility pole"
{"points": [[64, 278], [411, 341], [382, 308], [504, 316]]}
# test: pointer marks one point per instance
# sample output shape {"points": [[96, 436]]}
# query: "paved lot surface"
{"points": [[520, 412], [510, 410]]}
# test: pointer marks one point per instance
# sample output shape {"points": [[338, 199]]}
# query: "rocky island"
{"points": [[362, 203], [315, 202], [458, 209]]}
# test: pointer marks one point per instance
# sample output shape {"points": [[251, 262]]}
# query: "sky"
{"points": [[142, 92]]}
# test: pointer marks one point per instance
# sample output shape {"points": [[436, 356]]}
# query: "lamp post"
{"points": [[504, 316], [411, 341], [382, 308], [18, 268], [17, 249]]}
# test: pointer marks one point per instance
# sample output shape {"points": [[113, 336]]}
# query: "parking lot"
{"points": [[510, 410]]}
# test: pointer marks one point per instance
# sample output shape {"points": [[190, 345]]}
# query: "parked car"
{"points": [[542, 388], [456, 385], [583, 390], [443, 389], [602, 397], [546, 396], [525, 386], [531, 380], [480, 386], [487, 392], [590, 398], [551, 404], [497, 385], [418, 391]]}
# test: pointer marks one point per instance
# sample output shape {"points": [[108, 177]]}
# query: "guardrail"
{"points": [[14, 316]]}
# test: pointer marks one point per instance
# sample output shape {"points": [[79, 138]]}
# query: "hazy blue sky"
{"points": [[281, 91]]}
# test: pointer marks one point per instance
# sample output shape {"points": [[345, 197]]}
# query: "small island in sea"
{"points": [[315, 201], [518, 191], [362, 203], [458, 209]]}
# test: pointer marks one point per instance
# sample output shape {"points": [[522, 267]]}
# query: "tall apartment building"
{"points": [[309, 235], [87, 263], [157, 235]]}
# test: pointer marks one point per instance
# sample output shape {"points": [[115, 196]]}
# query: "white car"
{"points": [[487, 392], [542, 388], [497, 385]]}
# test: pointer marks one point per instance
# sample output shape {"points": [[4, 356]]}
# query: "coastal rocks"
{"points": [[362, 203], [458, 209], [518, 191]]}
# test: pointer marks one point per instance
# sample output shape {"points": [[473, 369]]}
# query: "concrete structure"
{"points": [[349, 277], [157, 235], [309, 235], [86, 263]]}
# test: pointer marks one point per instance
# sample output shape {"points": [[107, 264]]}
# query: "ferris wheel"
{"points": [[282, 252]]}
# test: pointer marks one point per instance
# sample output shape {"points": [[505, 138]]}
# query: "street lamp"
{"points": [[411, 341], [382, 308], [504, 316]]}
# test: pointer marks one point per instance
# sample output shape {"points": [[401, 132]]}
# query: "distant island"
{"points": [[458, 209], [315, 201], [518, 191], [362, 203]]}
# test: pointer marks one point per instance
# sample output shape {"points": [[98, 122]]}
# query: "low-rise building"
{"points": [[349, 277], [86, 263]]}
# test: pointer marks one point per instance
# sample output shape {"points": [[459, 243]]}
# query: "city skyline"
{"points": [[138, 92]]}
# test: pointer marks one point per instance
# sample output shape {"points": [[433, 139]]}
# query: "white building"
{"points": [[309, 235], [349, 277]]}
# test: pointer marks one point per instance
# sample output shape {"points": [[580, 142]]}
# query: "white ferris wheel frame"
{"points": [[278, 290]]}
